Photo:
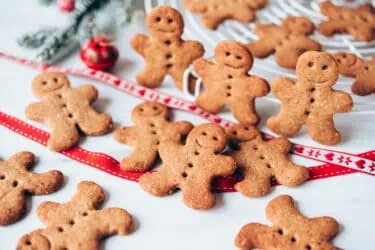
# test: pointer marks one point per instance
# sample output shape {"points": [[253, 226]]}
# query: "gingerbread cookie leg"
{"points": [[254, 185], [151, 77], [322, 130], [93, 123], [195, 193], [285, 124], [243, 111], [64, 134]]}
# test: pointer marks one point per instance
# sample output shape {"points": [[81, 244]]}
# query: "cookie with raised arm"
{"points": [[191, 167], [349, 64], [78, 224], [290, 229], [311, 101], [16, 180], [64, 109], [151, 127], [227, 82], [262, 162], [358, 22], [215, 12], [164, 52], [288, 41]]}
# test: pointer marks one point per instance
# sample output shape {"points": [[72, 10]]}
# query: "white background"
{"points": [[165, 223]]}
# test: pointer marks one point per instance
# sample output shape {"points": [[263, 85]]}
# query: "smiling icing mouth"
{"points": [[238, 67], [196, 141], [161, 30]]}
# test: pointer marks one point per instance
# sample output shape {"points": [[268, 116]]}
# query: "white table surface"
{"points": [[165, 223]]}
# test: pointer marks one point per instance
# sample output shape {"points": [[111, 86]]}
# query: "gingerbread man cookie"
{"points": [[364, 72], [349, 64], [288, 41], [227, 82], [358, 22], [16, 180], [216, 12], [77, 224], [291, 230], [311, 100], [63, 109], [262, 162], [152, 127], [164, 52], [191, 167]]}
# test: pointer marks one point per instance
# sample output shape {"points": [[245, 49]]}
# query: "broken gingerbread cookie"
{"points": [[288, 41], [16, 181], [151, 127], [262, 162], [63, 109], [215, 12], [311, 101], [290, 230], [164, 52], [358, 22], [78, 224], [191, 167], [226, 81]]}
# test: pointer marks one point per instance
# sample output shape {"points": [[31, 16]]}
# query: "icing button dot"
{"points": [[184, 175], [293, 239], [15, 183]]}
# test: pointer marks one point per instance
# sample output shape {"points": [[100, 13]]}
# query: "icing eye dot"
{"points": [[60, 229], [308, 247], [312, 89], [71, 222], [158, 19], [268, 166], [2, 177], [234, 132], [310, 64], [293, 239], [28, 243], [204, 133], [214, 138], [141, 109], [238, 57], [44, 83], [280, 231], [170, 20], [230, 77], [246, 128], [343, 56], [338, 60], [196, 153], [227, 53], [324, 67], [70, 115], [261, 157], [55, 79], [85, 214], [168, 42], [366, 68], [255, 148]]}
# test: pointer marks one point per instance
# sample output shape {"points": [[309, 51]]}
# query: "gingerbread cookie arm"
{"points": [[179, 129], [341, 102], [37, 111], [194, 49], [283, 88], [259, 86], [255, 235], [93, 123], [222, 165], [45, 211], [281, 145], [203, 67], [140, 43], [45, 183], [113, 221], [127, 135], [88, 92]]}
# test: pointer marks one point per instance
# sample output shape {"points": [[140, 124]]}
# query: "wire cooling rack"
{"points": [[274, 12]]}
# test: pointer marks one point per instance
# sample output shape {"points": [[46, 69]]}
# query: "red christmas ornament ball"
{"points": [[98, 53], [66, 5]]}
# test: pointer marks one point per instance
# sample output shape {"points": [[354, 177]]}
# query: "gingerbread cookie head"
{"points": [[234, 55], [208, 136], [365, 84], [149, 110], [49, 82], [349, 64], [16, 180], [298, 25], [291, 230], [242, 133], [317, 69], [165, 20]]}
